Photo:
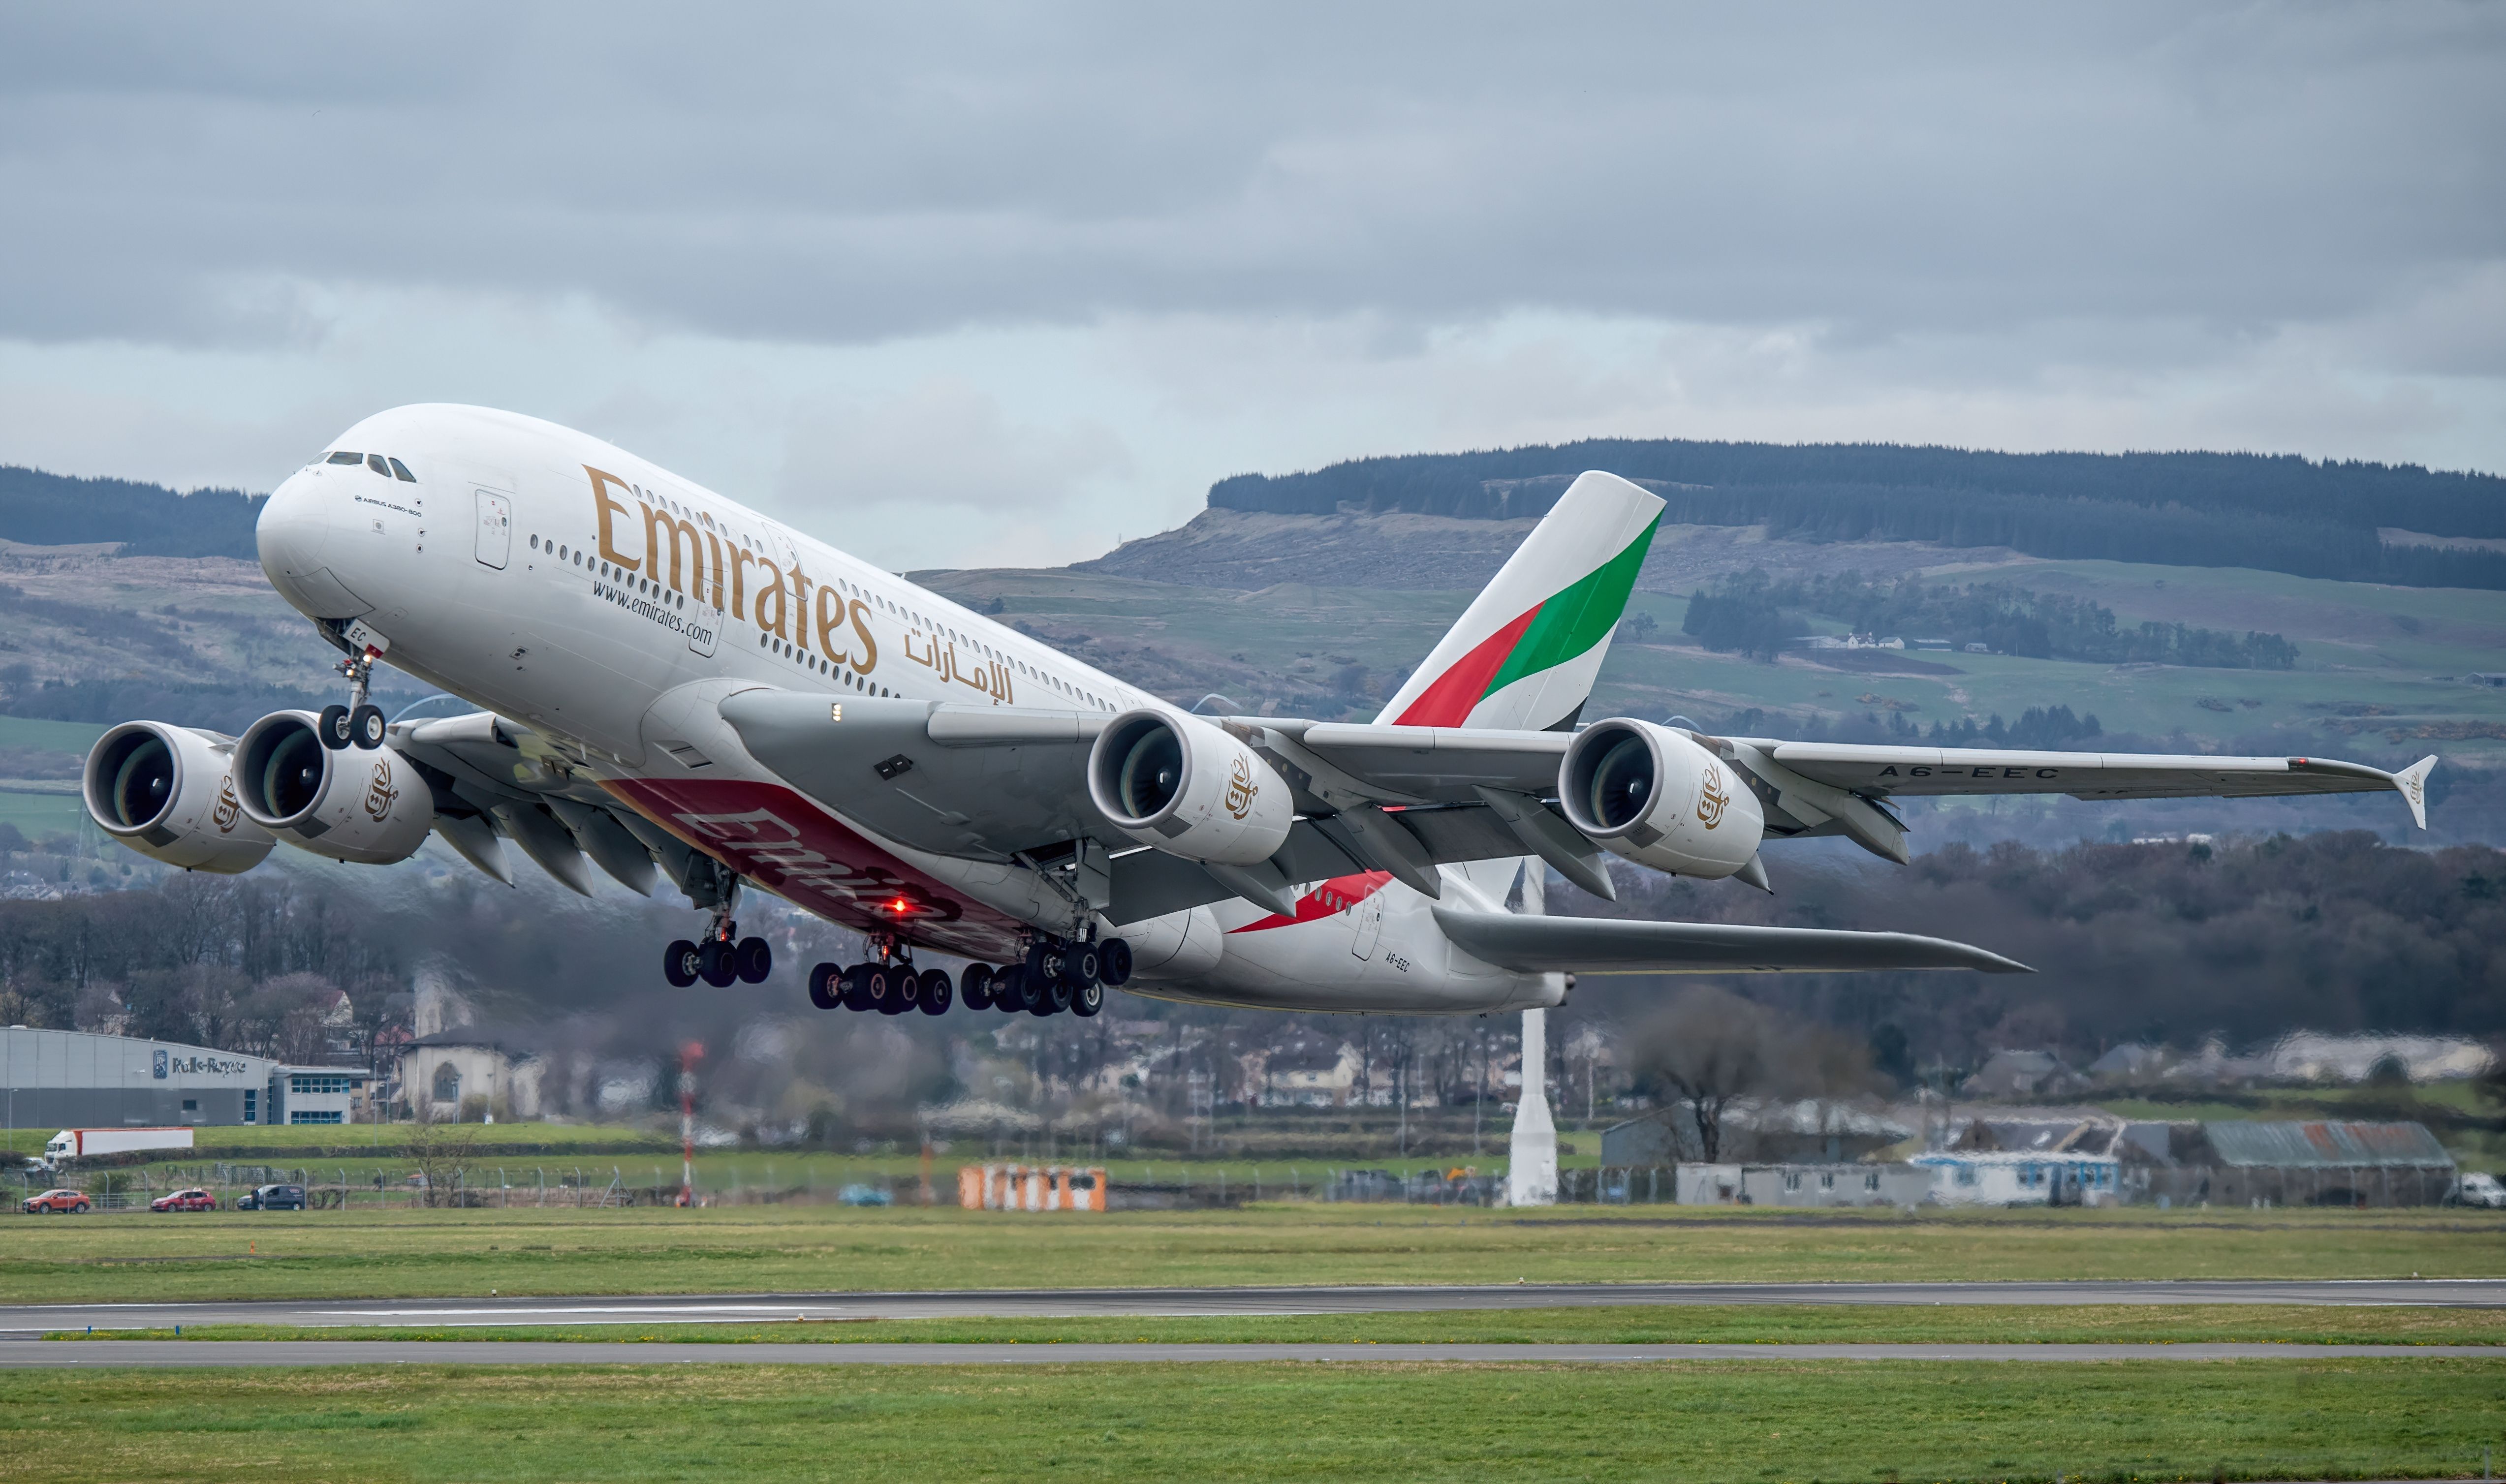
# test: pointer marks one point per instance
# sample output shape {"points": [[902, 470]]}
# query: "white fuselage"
{"points": [[561, 581]]}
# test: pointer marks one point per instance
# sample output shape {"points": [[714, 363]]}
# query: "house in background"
{"points": [[2021, 1075], [468, 1073]]}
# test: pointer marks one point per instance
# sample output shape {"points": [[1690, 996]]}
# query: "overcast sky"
{"points": [[994, 285]]}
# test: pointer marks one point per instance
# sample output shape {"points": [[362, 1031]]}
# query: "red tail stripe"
{"points": [[1447, 702]]}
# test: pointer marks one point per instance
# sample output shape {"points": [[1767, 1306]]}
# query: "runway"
{"points": [[19, 1354], [28, 1320]]}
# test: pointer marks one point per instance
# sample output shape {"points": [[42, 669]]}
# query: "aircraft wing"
{"points": [[1532, 944], [1885, 771]]}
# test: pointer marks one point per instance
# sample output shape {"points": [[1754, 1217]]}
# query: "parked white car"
{"points": [[2477, 1190]]}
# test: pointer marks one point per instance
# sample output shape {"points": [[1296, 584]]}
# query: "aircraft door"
{"points": [[1370, 925], [495, 529]]}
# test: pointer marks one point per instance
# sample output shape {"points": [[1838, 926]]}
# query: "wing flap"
{"points": [[1610, 945]]}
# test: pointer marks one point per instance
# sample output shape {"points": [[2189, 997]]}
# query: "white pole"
{"points": [[1531, 1169]]}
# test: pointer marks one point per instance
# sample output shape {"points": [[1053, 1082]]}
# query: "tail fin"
{"points": [[1523, 656]]}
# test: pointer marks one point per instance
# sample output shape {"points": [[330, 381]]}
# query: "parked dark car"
{"points": [[272, 1198], [185, 1200]]}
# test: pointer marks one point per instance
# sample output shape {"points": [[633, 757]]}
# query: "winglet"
{"points": [[2411, 783]]}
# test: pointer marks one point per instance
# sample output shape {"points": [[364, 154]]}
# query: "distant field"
{"points": [[234, 1254], [2318, 1416], [1653, 1324]]}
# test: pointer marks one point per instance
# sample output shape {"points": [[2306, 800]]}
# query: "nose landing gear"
{"points": [[360, 723]]}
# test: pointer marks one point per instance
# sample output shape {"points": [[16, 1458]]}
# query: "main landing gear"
{"points": [[1055, 976], [723, 957], [888, 984]]}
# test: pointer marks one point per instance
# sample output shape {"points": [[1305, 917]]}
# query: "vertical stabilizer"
{"points": [[1523, 655]]}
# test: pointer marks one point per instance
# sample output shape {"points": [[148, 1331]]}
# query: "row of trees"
{"points": [[1753, 614], [50, 510], [2215, 510]]}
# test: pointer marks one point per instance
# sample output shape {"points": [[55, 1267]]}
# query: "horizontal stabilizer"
{"points": [[1611, 946]]}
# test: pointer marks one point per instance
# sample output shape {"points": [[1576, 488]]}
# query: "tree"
{"points": [[441, 1153], [1705, 1053]]}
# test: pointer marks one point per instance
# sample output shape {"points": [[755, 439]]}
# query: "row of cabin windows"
{"points": [[389, 468], [651, 588]]}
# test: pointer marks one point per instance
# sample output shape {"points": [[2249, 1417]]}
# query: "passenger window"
{"points": [[401, 469], [347, 458], [374, 462]]}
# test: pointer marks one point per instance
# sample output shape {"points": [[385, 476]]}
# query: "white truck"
{"points": [[80, 1142]]}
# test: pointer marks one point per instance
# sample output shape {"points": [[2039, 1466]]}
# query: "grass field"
{"points": [[228, 1255], [1647, 1324], [2316, 1417]]}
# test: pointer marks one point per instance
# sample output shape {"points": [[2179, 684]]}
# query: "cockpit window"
{"points": [[374, 462], [402, 470], [347, 458]]}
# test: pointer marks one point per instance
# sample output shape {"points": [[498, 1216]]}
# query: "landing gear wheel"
{"points": [[754, 960], [1081, 965], [826, 987], [366, 727], [1009, 990], [1043, 961], [1053, 997], [333, 726], [877, 988], [975, 986], [853, 987], [937, 992], [904, 990], [680, 964], [1088, 1001], [1114, 958], [717, 964]]}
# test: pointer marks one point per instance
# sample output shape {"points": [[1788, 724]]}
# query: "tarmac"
{"points": [[31, 1320], [168, 1354]]}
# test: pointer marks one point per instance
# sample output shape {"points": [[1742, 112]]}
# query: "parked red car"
{"points": [[185, 1200], [56, 1203]]}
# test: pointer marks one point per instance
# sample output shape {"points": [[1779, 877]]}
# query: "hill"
{"points": [[50, 510], [2349, 520]]}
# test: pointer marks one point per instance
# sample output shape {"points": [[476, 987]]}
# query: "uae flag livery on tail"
{"points": [[1523, 655]]}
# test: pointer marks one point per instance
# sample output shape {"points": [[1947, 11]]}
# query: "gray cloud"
{"points": [[197, 177]]}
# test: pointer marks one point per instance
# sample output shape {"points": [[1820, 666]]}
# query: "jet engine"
{"points": [[1185, 786], [1652, 795], [169, 794], [372, 807]]}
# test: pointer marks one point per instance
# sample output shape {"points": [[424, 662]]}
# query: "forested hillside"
{"points": [[50, 510], [2276, 513]]}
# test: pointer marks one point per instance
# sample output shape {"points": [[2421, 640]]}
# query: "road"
{"points": [[31, 1320], [18, 1355]]}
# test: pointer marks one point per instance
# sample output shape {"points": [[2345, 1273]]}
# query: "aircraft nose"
{"points": [[293, 534]]}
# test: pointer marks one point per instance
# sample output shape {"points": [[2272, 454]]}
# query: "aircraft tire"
{"points": [[904, 990], [1081, 965], [1052, 999], [366, 727], [1009, 990], [853, 987], [938, 992], [1087, 1000], [333, 726], [1114, 957], [1044, 960], [680, 962], [826, 989], [718, 963], [754, 960], [975, 986]]}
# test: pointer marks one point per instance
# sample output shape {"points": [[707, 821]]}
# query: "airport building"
{"points": [[73, 1079]]}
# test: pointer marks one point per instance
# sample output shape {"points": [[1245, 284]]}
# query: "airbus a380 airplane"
{"points": [[674, 686]]}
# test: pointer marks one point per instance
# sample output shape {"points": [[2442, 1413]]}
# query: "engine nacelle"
{"points": [[169, 794], [1185, 786], [1652, 795], [370, 807]]}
